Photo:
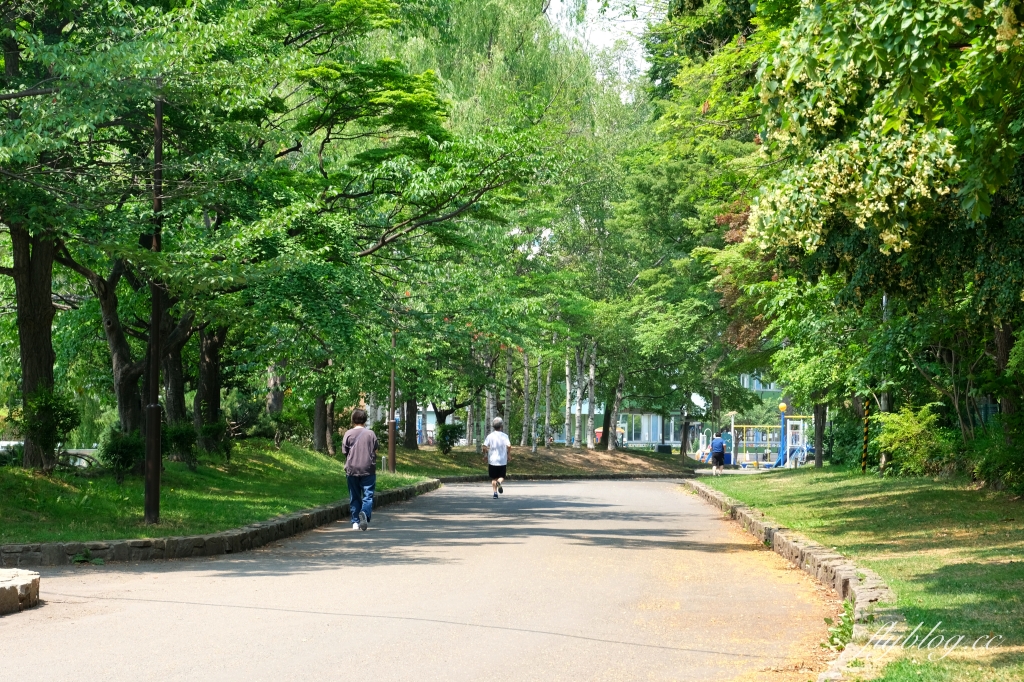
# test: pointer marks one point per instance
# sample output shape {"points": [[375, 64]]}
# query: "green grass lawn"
{"points": [[952, 553], [259, 483]]}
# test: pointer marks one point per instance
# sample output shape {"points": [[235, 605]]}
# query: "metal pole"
{"points": [[864, 454], [732, 437], [152, 486], [392, 431], [783, 440]]}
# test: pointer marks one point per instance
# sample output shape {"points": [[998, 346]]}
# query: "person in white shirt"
{"points": [[496, 448]]}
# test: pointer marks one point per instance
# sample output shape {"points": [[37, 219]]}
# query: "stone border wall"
{"points": [[19, 590], [862, 586], [227, 542]]}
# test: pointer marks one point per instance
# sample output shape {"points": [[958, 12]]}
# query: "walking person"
{"points": [[360, 449], [717, 455], [496, 449]]}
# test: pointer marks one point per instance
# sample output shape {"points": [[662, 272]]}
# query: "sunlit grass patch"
{"points": [[258, 483], [953, 553]]}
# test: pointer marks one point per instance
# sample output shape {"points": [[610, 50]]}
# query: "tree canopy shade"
{"points": [[826, 194]]}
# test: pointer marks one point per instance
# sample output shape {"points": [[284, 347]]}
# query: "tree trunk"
{"points": [[613, 436], [126, 372], [440, 414], [547, 407], [820, 412], [590, 398], [173, 368], [490, 407], [33, 291], [526, 400], [483, 430], [470, 424], [206, 404], [330, 427], [174, 387], [275, 394], [857, 404], [506, 408], [411, 412], [536, 406], [568, 400], [578, 437], [1004, 345], [606, 422], [320, 423], [684, 445]]}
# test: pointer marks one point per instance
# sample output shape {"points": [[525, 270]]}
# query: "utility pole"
{"points": [[392, 431], [864, 454], [152, 487]]}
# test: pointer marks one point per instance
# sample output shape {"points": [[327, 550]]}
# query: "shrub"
{"points": [[246, 415], [213, 438], [380, 427], [293, 423], [914, 440], [847, 440], [179, 442], [46, 419], [448, 435], [997, 463], [121, 452]]}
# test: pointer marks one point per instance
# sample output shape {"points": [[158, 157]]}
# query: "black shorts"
{"points": [[496, 470], [718, 459]]}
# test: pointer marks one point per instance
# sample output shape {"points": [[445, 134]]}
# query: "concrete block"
{"points": [[19, 590], [9, 602]]}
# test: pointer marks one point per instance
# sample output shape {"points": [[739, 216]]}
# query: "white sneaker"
{"points": [[355, 526]]}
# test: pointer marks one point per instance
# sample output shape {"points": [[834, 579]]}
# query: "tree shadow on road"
{"points": [[422, 532]]}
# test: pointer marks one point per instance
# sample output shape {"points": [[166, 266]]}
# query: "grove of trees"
{"points": [[282, 200]]}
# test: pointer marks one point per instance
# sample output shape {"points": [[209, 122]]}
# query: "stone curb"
{"points": [[226, 542], [19, 590], [862, 586]]}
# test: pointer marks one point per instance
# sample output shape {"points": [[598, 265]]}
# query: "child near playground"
{"points": [[496, 447], [360, 449], [717, 455]]}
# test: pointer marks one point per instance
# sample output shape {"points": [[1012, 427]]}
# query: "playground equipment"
{"points": [[793, 452], [756, 443], [761, 445]]}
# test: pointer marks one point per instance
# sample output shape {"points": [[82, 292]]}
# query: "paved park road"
{"points": [[610, 580]]}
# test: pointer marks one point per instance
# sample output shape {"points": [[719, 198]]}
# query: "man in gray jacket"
{"points": [[360, 449]]}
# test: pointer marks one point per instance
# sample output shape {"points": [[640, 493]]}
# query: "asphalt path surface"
{"points": [[581, 580]]}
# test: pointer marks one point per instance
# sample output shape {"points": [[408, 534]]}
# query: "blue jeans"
{"points": [[360, 490]]}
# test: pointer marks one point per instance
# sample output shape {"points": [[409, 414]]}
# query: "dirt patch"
{"points": [[429, 461], [596, 461]]}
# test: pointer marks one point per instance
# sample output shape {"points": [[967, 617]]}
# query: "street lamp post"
{"points": [[783, 439], [151, 505]]}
